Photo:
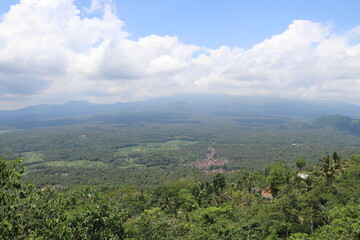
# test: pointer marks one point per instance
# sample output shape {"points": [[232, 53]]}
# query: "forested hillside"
{"points": [[277, 203], [339, 122], [160, 170]]}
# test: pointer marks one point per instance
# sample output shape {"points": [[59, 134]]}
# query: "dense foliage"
{"points": [[134, 153], [146, 176], [276, 203], [339, 122]]}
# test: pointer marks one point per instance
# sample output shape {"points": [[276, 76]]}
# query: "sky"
{"points": [[106, 51]]}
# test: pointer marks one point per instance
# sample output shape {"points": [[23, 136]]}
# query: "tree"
{"points": [[344, 224], [154, 224], [10, 174], [98, 221], [188, 201], [337, 159], [249, 179], [14, 200], [279, 174], [300, 163], [330, 167], [219, 183]]}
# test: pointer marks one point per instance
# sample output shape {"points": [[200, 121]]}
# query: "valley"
{"points": [[174, 170], [161, 134]]}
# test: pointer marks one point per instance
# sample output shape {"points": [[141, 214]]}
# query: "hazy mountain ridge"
{"points": [[338, 122], [171, 108]]}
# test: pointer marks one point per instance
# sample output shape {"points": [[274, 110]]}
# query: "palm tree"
{"points": [[306, 184], [330, 167], [248, 179], [337, 159]]}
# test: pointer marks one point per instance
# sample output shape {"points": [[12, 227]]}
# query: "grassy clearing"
{"points": [[78, 163], [173, 145], [30, 158], [36, 160], [129, 162], [129, 156]]}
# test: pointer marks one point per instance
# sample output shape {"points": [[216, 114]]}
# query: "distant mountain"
{"points": [[338, 122], [334, 121], [56, 109], [169, 109]]}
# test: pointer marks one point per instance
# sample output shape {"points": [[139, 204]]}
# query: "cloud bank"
{"points": [[51, 51]]}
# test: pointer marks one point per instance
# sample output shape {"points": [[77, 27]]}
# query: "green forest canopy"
{"points": [[272, 204]]}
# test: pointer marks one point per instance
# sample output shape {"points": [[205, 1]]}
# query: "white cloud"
{"points": [[50, 52], [301, 62], [94, 6]]}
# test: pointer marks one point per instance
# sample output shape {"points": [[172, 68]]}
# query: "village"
{"points": [[210, 164]]}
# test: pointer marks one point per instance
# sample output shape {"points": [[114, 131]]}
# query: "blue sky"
{"points": [[232, 23], [211, 23], [52, 51]]}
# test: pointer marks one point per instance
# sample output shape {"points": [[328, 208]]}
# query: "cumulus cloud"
{"points": [[50, 51]]}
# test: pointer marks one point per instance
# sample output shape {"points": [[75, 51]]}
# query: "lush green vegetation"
{"points": [[143, 155], [339, 122], [86, 153], [142, 176], [323, 205]]}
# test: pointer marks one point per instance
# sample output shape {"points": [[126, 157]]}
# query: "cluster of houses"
{"points": [[210, 164]]}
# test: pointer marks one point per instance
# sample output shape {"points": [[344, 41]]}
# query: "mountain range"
{"points": [[170, 108]]}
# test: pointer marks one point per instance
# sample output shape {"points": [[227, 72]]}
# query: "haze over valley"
{"points": [[180, 120]]}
